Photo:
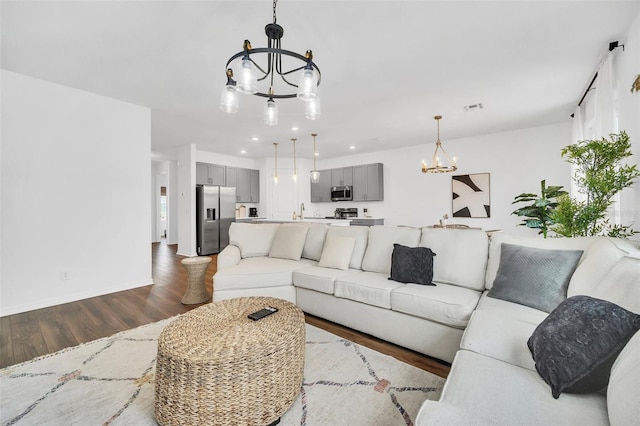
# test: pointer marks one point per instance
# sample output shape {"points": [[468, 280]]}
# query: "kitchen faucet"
{"points": [[301, 211]]}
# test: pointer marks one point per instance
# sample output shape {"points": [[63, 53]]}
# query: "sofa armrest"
{"points": [[229, 256]]}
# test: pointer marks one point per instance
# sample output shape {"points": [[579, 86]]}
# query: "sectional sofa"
{"points": [[342, 274]]}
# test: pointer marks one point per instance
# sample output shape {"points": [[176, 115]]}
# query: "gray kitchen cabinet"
{"points": [[321, 191], [210, 174], [342, 176], [366, 221], [254, 192], [368, 182], [246, 182]]}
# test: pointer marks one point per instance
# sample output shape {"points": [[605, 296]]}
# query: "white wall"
{"points": [[186, 167], [75, 194], [517, 161], [627, 66]]}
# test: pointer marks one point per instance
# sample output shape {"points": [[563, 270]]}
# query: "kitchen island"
{"points": [[330, 222]]}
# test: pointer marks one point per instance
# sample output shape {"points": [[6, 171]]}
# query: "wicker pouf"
{"points": [[216, 366], [196, 270]]}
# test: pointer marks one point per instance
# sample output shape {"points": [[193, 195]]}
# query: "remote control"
{"points": [[262, 313]]}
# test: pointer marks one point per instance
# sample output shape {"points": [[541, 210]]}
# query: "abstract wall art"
{"points": [[470, 195]]}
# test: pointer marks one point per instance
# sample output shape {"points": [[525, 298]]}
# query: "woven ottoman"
{"points": [[216, 366], [196, 271]]}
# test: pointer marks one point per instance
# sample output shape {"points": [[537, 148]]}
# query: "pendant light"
{"points": [[315, 174], [275, 168], [295, 166], [436, 165]]}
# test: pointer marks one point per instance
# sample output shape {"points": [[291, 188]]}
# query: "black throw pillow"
{"points": [[576, 345], [412, 265]]}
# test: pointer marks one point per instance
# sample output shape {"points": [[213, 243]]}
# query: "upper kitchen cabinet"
{"points": [[246, 182], [254, 191], [342, 176], [368, 182], [321, 191], [210, 174]]}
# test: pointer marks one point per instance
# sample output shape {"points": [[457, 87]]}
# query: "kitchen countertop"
{"points": [[332, 222]]}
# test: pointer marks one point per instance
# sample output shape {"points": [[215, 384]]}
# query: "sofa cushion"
{"points": [[622, 285], [444, 303], [366, 287], [500, 336], [289, 241], [597, 262], [360, 233], [576, 243], [337, 253], [510, 395], [315, 241], [412, 265], [624, 382], [510, 310], [317, 278], [259, 272], [461, 255], [377, 258], [576, 345], [534, 277], [253, 239]]}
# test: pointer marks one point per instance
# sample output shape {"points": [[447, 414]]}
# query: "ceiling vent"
{"points": [[473, 107]]}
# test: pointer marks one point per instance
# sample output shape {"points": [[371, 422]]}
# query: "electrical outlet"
{"points": [[64, 276]]}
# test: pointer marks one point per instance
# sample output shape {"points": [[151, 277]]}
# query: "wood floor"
{"points": [[30, 334]]}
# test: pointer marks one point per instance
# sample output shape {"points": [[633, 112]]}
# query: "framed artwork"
{"points": [[470, 196]]}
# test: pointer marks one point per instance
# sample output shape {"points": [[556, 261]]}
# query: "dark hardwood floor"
{"points": [[30, 334]]}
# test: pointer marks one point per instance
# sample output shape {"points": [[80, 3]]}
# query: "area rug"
{"points": [[111, 381]]}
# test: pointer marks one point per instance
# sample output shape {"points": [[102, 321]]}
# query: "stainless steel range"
{"points": [[344, 213]]}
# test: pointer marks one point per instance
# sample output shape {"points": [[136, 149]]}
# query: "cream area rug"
{"points": [[111, 381]]}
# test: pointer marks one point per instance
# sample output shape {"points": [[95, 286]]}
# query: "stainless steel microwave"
{"points": [[341, 193]]}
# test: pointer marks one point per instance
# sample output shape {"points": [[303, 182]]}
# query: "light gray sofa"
{"points": [[427, 319], [493, 379]]}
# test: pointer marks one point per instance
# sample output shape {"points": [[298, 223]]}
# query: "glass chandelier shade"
{"points": [[437, 166], [271, 113], [312, 109], [314, 175], [247, 80], [229, 101], [252, 73], [308, 85]]}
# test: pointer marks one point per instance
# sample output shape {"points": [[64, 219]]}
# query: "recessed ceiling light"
{"points": [[352, 147], [316, 153], [255, 138], [244, 151], [294, 128]]}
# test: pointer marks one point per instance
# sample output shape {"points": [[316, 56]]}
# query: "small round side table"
{"points": [[196, 269]]}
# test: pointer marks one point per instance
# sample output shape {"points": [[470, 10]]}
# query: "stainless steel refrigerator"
{"points": [[215, 211]]}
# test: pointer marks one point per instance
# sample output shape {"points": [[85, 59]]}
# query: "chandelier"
{"points": [[250, 74], [436, 165]]}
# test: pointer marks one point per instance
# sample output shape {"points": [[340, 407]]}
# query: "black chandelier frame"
{"points": [[274, 51]]}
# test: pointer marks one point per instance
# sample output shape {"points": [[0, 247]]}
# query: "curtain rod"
{"points": [[612, 46]]}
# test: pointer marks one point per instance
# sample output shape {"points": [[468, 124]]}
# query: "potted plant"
{"points": [[600, 175], [539, 214]]}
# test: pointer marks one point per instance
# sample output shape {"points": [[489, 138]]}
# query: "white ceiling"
{"points": [[387, 66]]}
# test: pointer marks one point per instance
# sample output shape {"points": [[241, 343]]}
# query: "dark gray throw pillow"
{"points": [[534, 277], [412, 265], [576, 345]]}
